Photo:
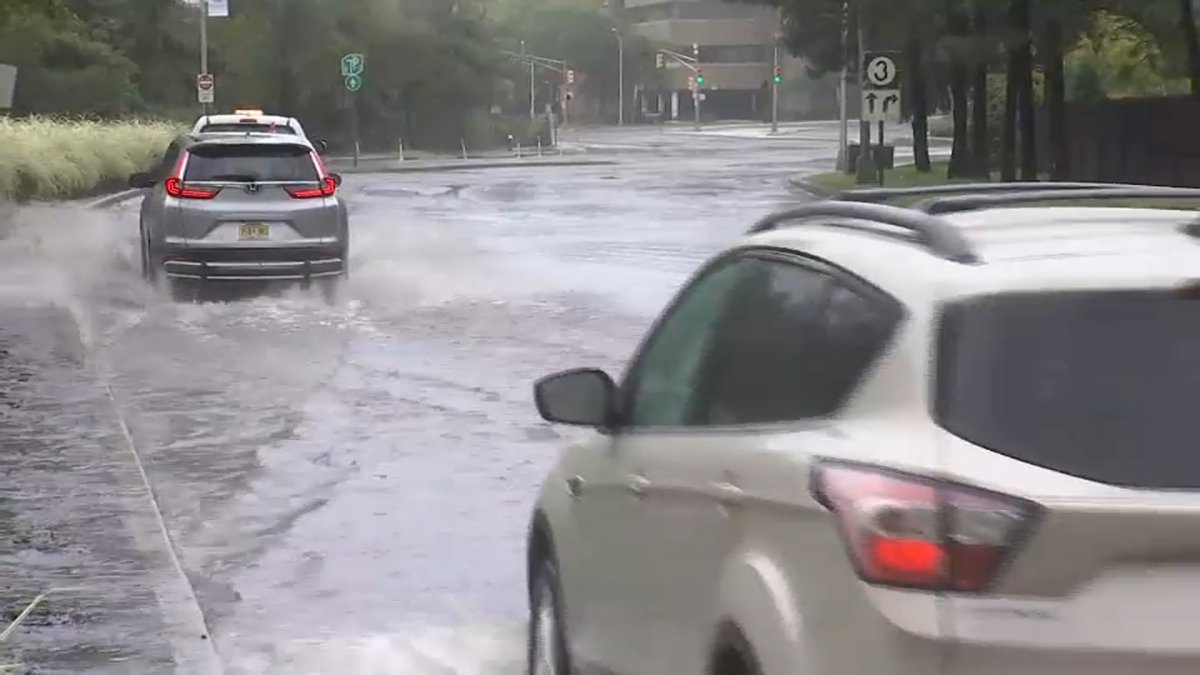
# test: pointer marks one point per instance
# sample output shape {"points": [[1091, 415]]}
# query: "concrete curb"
{"points": [[114, 199], [468, 165], [802, 183]]}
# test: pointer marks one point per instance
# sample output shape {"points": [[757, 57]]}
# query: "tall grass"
{"points": [[46, 158]]}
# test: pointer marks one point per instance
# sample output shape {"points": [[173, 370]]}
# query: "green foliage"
{"points": [[433, 66], [1117, 57], [48, 158]]}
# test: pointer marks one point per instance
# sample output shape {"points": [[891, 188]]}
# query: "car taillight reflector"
{"points": [[327, 189], [916, 532]]}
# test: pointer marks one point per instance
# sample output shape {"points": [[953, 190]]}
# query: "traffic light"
{"points": [[659, 60], [700, 77], [778, 74], [570, 77]]}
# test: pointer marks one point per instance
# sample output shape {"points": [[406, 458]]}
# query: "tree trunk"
{"points": [[961, 165], [1008, 142], [1187, 25], [1056, 100], [1025, 102], [919, 103], [981, 140]]}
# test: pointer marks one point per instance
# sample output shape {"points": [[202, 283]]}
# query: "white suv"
{"points": [[954, 439]]}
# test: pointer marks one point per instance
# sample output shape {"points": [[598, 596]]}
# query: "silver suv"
{"points": [[242, 207], [953, 439]]}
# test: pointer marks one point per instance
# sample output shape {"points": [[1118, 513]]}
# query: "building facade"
{"points": [[736, 54]]}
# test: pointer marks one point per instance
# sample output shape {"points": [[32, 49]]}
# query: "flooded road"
{"points": [[345, 488]]}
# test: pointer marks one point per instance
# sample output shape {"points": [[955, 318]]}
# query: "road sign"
{"points": [[206, 87], [881, 105], [354, 82], [353, 65], [881, 70], [218, 8]]}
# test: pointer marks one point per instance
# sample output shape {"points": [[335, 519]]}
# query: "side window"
{"points": [[793, 347], [660, 391], [167, 163]]}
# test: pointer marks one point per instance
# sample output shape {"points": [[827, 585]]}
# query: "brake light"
{"points": [[176, 188], [915, 532], [327, 189], [328, 185]]}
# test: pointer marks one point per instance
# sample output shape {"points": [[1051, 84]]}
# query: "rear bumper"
{"points": [[253, 264]]}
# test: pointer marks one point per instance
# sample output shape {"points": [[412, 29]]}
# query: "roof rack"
{"points": [[879, 195], [939, 236], [972, 202]]}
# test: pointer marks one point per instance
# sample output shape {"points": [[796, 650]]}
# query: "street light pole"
{"points": [[620, 77]]}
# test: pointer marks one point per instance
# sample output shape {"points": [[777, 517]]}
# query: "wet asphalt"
{"points": [[345, 488]]}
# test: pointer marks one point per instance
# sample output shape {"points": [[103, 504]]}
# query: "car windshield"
{"points": [[1101, 385], [247, 127], [220, 161]]}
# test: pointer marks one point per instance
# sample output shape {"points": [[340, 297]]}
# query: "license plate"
{"points": [[254, 231]]}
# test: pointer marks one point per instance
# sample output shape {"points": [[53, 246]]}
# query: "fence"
{"points": [[1145, 140]]}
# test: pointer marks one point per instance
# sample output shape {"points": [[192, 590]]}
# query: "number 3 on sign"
{"points": [[881, 71]]}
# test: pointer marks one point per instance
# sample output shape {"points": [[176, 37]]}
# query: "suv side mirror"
{"points": [[337, 178], [141, 180], [586, 397], [322, 145]]}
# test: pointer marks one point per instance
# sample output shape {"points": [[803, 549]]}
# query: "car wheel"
{"points": [[547, 633]]}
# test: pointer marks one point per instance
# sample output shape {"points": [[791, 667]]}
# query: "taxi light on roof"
{"points": [[255, 113]]}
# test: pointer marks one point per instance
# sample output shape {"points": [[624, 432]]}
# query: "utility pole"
{"points": [[620, 77], [844, 90], [866, 165], [204, 43]]}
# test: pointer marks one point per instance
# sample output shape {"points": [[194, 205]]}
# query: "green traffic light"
{"points": [[778, 79], [700, 80]]}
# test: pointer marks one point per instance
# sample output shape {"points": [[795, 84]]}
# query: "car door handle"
{"points": [[637, 485]]}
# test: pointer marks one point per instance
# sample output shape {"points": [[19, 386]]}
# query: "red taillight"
{"points": [[914, 532], [176, 188], [328, 184], [327, 189]]}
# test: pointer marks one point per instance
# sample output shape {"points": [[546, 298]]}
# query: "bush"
{"points": [[45, 158]]}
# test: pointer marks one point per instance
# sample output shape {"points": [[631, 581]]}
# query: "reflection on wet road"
{"points": [[347, 487]]}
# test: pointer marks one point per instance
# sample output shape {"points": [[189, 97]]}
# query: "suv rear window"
{"points": [[244, 128], [1103, 385], [250, 162]]}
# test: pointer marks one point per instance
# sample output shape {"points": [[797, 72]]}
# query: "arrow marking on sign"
{"points": [[871, 98], [892, 99]]}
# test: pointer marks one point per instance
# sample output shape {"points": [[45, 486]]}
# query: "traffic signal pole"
{"points": [[775, 94], [691, 63]]}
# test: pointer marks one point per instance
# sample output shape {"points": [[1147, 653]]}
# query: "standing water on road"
{"points": [[347, 487]]}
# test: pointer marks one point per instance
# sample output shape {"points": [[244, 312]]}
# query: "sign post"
{"points": [[881, 95], [8, 85], [205, 88], [353, 67]]}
